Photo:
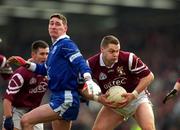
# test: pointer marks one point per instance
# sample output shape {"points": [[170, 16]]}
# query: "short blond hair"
{"points": [[59, 16], [109, 39]]}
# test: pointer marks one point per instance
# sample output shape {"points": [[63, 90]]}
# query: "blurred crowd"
{"points": [[159, 49]]}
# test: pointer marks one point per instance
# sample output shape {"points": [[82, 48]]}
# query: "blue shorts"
{"points": [[66, 104]]}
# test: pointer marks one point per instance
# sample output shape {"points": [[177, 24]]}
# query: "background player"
{"points": [[173, 92], [25, 90], [5, 70], [114, 67]]}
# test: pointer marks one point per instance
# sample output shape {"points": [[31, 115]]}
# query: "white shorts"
{"points": [[130, 109], [18, 113]]}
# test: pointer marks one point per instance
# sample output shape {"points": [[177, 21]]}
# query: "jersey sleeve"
{"points": [[41, 69], [137, 67], [15, 84], [71, 52]]}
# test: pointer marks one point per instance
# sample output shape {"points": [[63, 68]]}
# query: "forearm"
{"points": [[7, 108], [173, 92], [144, 83], [177, 86], [88, 96]]}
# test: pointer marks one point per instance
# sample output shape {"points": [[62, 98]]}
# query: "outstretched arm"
{"points": [[7, 118], [173, 92], [37, 68]]}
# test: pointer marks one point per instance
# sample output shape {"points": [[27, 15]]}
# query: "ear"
{"points": [[101, 49], [32, 54], [66, 28]]}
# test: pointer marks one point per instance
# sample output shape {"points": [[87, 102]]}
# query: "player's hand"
{"points": [[17, 60], [103, 99], [7, 69], [169, 95], [91, 87], [127, 98], [8, 123]]}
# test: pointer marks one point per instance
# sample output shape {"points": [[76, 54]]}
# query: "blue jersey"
{"points": [[63, 65]]}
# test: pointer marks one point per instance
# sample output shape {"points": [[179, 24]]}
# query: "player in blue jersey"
{"points": [[63, 66]]}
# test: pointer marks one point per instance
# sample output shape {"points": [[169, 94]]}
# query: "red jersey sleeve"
{"points": [[137, 67], [14, 85]]}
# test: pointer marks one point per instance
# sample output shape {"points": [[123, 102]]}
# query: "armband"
{"points": [[135, 93]]}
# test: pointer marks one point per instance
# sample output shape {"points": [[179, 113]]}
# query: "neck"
{"points": [[108, 64], [53, 40]]}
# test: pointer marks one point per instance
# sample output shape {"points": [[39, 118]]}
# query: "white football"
{"points": [[115, 93]]}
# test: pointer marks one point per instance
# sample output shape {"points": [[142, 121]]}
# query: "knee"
{"points": [[25, 122], [149, 127]]}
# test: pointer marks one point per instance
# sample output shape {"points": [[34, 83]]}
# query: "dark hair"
{"points": [[38, 44], [109, 39], [59, 16]]}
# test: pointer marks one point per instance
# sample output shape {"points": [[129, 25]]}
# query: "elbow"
{"points": [[151, 76]]}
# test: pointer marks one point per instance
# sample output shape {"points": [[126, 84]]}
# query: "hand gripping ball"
{"points": [[115, 93]]}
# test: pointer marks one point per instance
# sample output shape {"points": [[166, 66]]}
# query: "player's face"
{"points": [[56, 28], [41, 55], [110, 54]]}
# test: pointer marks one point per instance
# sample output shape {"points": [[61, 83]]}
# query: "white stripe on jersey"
{"points": [[139, 71], [136, 70], [16, 88], [130, 60], [12, 92], [3, 62], [87, 62], [67, 103], [74, 56]]}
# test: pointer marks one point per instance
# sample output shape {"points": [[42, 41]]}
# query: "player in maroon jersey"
{"points": [[114, 67], [173, 92], [25, 90], [5, 69]]}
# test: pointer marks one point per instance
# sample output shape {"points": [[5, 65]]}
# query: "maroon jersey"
{"points": [[26, 89], [127, 72]]}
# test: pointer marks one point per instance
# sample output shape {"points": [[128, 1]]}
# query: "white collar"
{"points": [[102, 62], [61, 37]]}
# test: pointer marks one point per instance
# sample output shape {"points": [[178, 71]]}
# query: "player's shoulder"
{"points": [[94, 58], [23, 71], [126, 55], [67, 43]]}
